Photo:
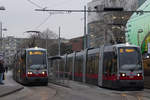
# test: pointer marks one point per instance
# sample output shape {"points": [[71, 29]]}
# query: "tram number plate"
{"points": [[130, 76]]}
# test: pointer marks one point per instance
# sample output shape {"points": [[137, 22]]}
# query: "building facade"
{"points": [[10, 45], [76, 44], [108, 27], [138, 28]]}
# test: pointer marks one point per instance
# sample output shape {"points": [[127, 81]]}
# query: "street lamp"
{"points": [[138, 37]]}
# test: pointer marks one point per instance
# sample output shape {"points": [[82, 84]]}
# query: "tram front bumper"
{"points": [[37, 79], [131, 83]]}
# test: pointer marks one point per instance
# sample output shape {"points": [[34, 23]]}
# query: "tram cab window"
{"points": [[130, 59], [110, 63]]}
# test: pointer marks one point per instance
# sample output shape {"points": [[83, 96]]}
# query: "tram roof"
{"points": [[42, 49], [54, 57], [125, 45]]}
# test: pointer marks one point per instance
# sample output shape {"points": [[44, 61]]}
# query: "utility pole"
{"points": [[1, 29], [1, 36], [46, 41], [85, 37], [59, 42]]}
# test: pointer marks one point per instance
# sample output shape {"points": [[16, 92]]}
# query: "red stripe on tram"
{"points": [[131, 78], [94, 76], [113, 77], [78, 74], [37, 75]]}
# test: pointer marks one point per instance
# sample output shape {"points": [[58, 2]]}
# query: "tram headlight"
{"points": [[123, 74], [147, 56], [30, 73], [43, 72], [139, 74]]}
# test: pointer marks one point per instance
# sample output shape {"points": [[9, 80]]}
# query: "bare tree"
{"points": [[46, 39], [48, 34]]}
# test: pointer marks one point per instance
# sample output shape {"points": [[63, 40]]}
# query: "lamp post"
{"points": [[2, 37], [3, 44], [138, 37], [1, 29], [59, 42]]}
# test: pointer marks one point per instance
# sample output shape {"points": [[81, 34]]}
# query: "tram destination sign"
{"points": [[35, 53]]}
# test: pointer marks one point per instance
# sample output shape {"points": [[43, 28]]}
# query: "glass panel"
{"points": [[36, 59], [130, 58]]}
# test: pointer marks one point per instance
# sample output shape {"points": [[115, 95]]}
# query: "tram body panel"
{"points": [[37, 66], [130, 67], [114, 66], [112, 72], [31, 66], [78, 67], [69, 66], [100, 70]]}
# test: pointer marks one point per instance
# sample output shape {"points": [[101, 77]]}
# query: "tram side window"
{"points": [[55, 65], [89, 64], [62, 65], [114, 64], [93, 63], [23, 62], [23, 57], [110, 63], [96, 63], [69, 64], [79, 64]]}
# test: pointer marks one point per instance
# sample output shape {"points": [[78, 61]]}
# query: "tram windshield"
{"points": [[130, 58], [36, 60]]}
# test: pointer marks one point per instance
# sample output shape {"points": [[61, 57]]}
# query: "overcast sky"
{"points": [[20, 16]]}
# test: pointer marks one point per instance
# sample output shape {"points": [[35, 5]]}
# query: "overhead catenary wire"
{"points": [[64, 10], [45, 20], [34, 4]]}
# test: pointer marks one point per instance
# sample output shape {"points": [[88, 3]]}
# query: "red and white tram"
{"points": [[31, 66], [115, 66]]}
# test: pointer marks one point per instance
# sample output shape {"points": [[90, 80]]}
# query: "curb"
{"points": [[11, 92]]}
